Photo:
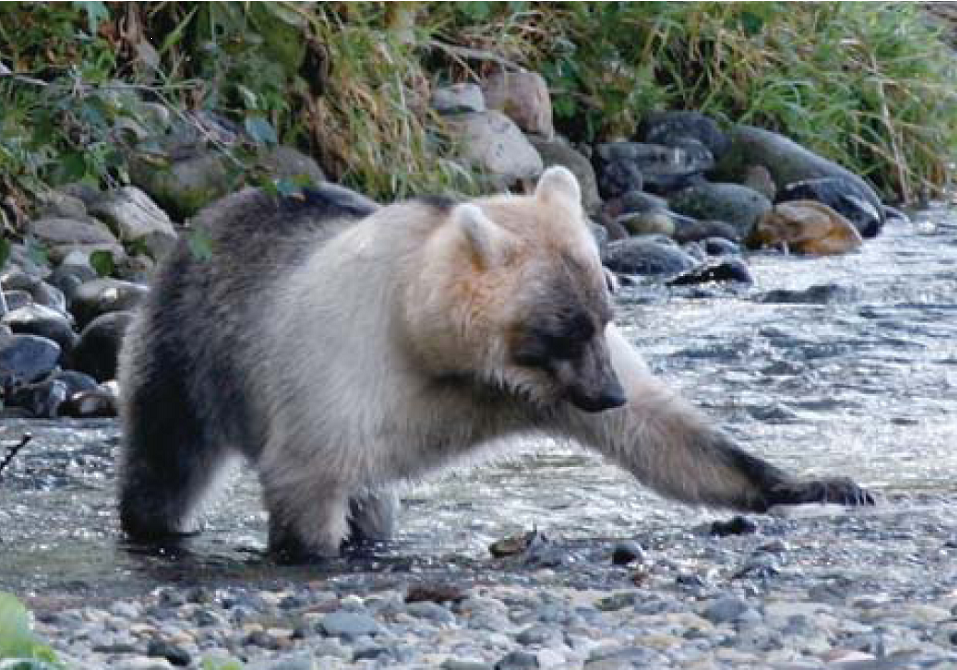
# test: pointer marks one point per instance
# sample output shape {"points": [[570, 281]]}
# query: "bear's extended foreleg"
{"points": [[668, 445]]}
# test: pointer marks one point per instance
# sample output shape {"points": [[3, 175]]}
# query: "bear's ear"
{"points": [[558, 182], [489, 243]]}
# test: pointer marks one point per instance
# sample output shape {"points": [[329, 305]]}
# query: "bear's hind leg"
{"points": [[167, 462]]}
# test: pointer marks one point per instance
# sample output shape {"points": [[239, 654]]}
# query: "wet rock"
{"points": [[894, 214], [512, 545], [806, 227], [282, 162], [627, 166], [458, 99], [843, 196], [672, 127], [41, 292], [648, 223], [102, 296], [818, 294], [524, 98], [688, 230], [537, 634], [719, 246], [785, 160], [725, 610], [28, 358], [348, 625], [733, 269], [517, 660], [734, 204], [73, 271], [436, 593], [431, 612], [184, 185], [42, 399], [557, 152], [627, 551], [736, 525], [492, 142], [43, 321], [171, 652], [646, 256], [99, 345], [16, 299], [136, 219]]}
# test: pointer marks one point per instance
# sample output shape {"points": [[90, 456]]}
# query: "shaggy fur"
{"points": [[341, 347]]}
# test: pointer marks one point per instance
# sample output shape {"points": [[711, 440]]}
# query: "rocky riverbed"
{"points": [[821, 589]]}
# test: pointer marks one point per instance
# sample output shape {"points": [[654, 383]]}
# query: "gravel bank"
{"points": [[818, 588]]}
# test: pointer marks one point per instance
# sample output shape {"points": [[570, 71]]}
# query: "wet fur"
{"points": [[341, 347]]}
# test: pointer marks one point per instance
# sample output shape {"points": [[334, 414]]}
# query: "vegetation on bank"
{"points": [[869, 85]]}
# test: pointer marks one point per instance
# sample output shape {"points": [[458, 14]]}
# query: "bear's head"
{"points": [[518, 298]]}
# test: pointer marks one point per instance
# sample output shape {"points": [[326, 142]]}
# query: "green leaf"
{"points": [[102, 261], [260, 130], [16, 638], [200, 244]]}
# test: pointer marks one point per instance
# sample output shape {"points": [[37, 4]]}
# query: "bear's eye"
{"points": [[563, 339]]}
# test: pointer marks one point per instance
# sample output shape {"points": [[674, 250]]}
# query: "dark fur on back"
{"points": [[188, 341]]}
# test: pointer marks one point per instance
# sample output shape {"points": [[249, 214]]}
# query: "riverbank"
{"points": [[819, 588]]}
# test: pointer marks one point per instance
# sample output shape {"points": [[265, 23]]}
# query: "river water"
{"points": [[844, 365]]}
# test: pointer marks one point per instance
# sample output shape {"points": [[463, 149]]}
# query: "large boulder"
{"points": [[185, 185], [557, 152], [806, 227], [786, 160], [493, 143], [136, 219], [524, 98], [737, 205]]}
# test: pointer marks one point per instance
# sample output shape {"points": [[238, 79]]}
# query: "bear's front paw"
{"points": [[840, 490]]}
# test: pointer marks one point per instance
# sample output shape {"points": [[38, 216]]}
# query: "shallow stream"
{"points": [[839, 365]]}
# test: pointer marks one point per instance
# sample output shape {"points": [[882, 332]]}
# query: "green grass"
{"points": [[870, 85]]}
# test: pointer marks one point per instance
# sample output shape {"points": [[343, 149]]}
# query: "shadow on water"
{"points": [[837, 365]]}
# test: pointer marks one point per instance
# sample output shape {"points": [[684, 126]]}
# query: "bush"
{"points": [[868, 85]]}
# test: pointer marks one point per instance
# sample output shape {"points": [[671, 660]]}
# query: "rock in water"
{"points": [[843, 196], [806, 227], [646, 256], [737, 205]]}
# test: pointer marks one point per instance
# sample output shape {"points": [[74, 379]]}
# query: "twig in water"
{"points": [[12, 451]]}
